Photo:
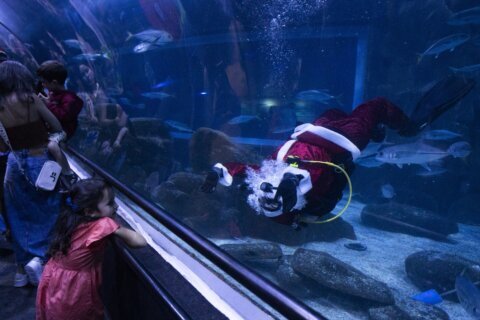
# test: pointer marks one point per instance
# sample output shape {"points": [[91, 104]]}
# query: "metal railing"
{"points": [[288, 306], [149, 280]]}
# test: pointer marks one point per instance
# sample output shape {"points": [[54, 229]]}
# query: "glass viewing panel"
{"points": [[172, 87]]}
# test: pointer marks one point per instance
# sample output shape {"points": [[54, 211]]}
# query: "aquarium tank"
{"points": [[332, 146]]}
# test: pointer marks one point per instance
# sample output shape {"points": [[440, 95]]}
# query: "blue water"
{"points": [[250, 72]]}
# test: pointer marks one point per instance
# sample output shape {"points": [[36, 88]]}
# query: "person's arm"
{"points": [[90, 108], [123, 131], [47, 115], [122, 117], [131, 238]]}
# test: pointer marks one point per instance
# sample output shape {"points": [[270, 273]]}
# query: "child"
{"points": [[115, 120], [66, 106], [70, 284]]}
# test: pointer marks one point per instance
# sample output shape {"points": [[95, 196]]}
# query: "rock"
{"points": [[401, 218], [437, 270], [408, 310], [169, 196], [186, 181], [253, 251], [208, 146], [285, 274], [387, 313], [295, 283], [417, 310], [339, 276], [263, 255]]}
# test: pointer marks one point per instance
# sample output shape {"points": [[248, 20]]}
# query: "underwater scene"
{"points": [[333, 146]]}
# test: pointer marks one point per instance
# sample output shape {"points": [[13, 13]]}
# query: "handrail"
{"points": [[148, 279], [290, 307]]}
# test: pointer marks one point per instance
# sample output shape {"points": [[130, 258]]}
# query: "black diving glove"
{"points": [[211, 180], [287, 190]]}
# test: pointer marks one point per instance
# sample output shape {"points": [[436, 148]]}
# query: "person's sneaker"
{"points": [[34, 269], [20, 280], [66, 182]]}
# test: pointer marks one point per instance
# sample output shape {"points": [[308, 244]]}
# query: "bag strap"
{"points": [[3, 134]]}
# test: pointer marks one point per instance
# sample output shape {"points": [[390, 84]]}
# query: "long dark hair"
{"points": [[15, 79], [85, 195]]}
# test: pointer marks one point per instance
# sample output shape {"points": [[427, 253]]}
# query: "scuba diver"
{"points": [[308, 173]]}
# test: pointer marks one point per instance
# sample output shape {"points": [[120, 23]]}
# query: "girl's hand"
{"points": [[132, 238]]}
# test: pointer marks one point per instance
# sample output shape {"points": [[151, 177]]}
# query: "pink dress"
{"points": [[69, 288]]}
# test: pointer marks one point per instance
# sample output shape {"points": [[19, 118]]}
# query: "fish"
{"points": [[448, 43], [369, 162], [367, 157], [434, 171], [468, 295], [164, 84], [468, 16], [152, 36], [242, 119], [321, 96], [466, 69], [388, 192], [73, 43], [156, 95], [178, 126], [144, 47], [91, 56], [440, 135], [421, 154]]}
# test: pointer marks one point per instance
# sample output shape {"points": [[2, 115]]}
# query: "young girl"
{"points": [[69, 287]]}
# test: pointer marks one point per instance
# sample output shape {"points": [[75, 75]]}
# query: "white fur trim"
{"points": [[329, 135], [227, 178], [284, 149]]}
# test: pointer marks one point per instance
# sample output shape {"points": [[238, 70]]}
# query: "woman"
{"points": [[31, 213]]}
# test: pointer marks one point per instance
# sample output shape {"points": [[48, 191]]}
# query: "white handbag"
{"points": [[48, 177], [49, 174]]}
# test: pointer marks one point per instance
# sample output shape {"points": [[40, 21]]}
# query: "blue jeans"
{"points": [[31, 213]]}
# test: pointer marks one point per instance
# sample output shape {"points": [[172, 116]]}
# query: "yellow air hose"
{"points": [[293, 162]]}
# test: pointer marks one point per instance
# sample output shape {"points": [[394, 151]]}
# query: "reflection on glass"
{"points": [[172, 88]]}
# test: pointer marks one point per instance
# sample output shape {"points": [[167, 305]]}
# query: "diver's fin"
{"points": [[441, 97]]}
